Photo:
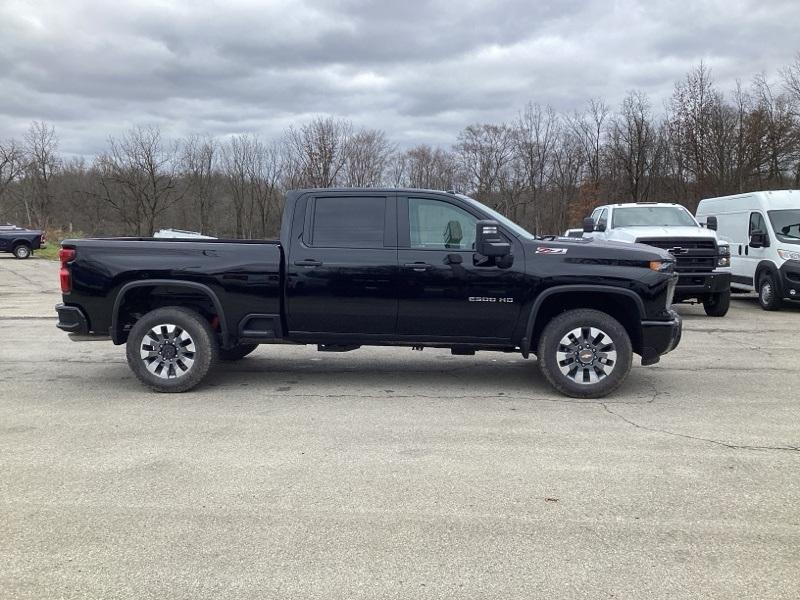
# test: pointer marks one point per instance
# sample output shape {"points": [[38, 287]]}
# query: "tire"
{"points": [[575, 333], [22, 251], [717, 305], [768, 293], [171, 349], [237, 352]]}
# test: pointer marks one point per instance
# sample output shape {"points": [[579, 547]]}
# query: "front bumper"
{"points": [[790, 279], [691, 285], [660, 337]]}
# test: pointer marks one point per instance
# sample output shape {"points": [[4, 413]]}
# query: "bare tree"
{"points": [[485, 154], [139, 177], [11, 167], [635, 146], [265, 174], [238, 156], [198, 168], [430, 168], [367, 156], [318, 152], [42, 162], [589, 129], [535, 139]]}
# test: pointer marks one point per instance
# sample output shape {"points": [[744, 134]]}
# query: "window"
{"points": [[602, 218], [786, 224], [653, 216], [757, 223], [349, 222], [440, 225]]}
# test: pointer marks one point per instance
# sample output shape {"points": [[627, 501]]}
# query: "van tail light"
{"points": [[65, 255]]}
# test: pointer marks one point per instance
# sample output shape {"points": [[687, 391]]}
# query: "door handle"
{"points": [[308, 262], [419, 267]]}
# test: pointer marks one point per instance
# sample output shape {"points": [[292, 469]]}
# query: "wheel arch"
{"points": [[624, 305], [767, 266], [117, 324]]}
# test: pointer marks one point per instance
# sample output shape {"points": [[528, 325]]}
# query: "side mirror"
{"points": [[711, 223], [489, 241], [759, 239], [588, 225]]}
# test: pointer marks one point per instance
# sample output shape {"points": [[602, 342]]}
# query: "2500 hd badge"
{"points": [[489, 299]]}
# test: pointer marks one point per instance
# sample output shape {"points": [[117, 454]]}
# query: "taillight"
{"points": [[65, 255]]}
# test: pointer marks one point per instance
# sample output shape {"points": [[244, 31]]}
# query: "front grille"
{"points": [[691, 255]]}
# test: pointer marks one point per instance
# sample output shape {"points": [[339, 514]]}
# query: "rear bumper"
{"points": [[660, 337], [72, 320], [691, 285]]}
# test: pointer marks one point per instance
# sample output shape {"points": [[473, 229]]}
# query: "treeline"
{"points": [[543, 168]]}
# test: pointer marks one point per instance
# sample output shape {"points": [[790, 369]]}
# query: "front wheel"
{"points": [[768, 296], [717, 305], [171, 349], [585, 353]]}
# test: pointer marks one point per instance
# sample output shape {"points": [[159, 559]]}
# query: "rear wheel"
{"points": [[717, 305], [585, 353], [768, 295], [237, 352], [171, 349], [22, 251]]}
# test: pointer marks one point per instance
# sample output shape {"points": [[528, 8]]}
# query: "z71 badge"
{"points": [[548, 250]]}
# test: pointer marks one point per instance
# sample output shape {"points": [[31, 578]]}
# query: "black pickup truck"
{"points": [[382, 267], [19, 241]]}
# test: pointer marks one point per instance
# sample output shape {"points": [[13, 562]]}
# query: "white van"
{"points": [[763, 229]]}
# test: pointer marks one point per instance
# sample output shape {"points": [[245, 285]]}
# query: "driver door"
{"points": [[443, 291]]}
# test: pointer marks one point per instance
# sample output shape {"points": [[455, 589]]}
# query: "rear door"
{"points": [[444, 291], [342, 265]]}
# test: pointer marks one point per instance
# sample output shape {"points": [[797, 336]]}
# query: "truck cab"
{"points": [[763, 230], [702, 261]]}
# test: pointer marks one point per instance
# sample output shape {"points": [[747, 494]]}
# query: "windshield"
{"points": [[786, 224], [516, 229], [652, 216]]}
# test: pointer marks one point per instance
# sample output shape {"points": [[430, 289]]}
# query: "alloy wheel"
{"points": [[167, 351], [586, 355]]}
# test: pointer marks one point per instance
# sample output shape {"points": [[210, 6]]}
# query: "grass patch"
{"points": [[49, 252], [54, 239]]}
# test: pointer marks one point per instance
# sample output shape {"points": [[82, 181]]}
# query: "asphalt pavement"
{"points": [[390, 473]]}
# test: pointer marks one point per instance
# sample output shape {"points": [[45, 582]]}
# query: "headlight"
{"points": [[662, 266], [724, 258], [789, 254]]}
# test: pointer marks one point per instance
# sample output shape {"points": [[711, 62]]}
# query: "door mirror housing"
{"points": [[588, 225], [711, 223], [489, 241], [759, 239]]}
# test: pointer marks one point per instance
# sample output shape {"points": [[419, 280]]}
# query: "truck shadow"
{"points": [[441, 378]]}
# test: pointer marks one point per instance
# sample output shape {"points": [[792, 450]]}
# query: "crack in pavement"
{"points": [[697, 438]]}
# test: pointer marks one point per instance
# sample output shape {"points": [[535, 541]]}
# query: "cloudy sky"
{"points": [[421, 70]]}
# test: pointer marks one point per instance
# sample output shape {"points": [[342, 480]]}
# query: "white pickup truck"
{"points": [[701, 260]]}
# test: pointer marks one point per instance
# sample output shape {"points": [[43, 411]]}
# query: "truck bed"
{"points": [[243, 275]]}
